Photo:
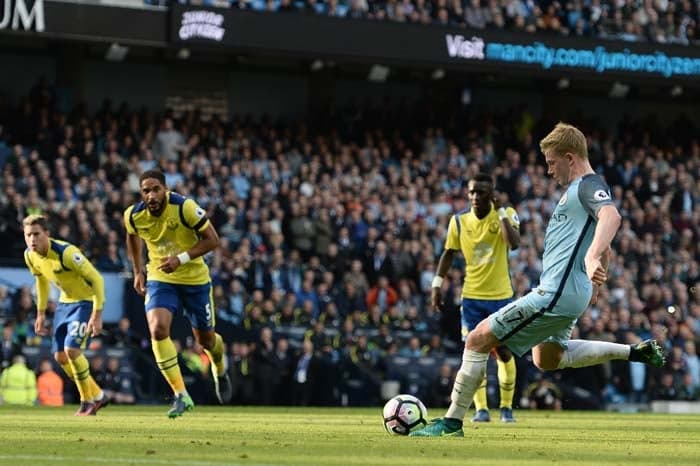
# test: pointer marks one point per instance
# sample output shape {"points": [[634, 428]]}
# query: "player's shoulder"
{"points": [[594, 187], [464, 213], [140, 206], [177, 199], [135, 208], [59, 246]]}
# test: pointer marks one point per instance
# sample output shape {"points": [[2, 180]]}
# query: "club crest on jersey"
{"points": [[171, 223], [563, 199], [601, 195], [493, 227]]}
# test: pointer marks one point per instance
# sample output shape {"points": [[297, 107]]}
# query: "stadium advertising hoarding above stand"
{"points": [[84, 21], [316, 36]]}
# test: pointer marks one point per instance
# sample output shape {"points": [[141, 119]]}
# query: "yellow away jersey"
{"points": [[67, 268], [175, 231], [485, 252]]}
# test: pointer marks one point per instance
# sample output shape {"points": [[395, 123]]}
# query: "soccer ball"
{"points": [[403, 414]]}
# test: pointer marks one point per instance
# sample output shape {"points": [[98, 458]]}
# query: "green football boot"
{"points": [[181, 404], [441, 427], [648, 352]]}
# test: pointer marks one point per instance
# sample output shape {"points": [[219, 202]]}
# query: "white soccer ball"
{"points": [[403, 414]]}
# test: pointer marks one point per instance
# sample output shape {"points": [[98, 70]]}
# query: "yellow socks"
{"points": [[216, 355], [93, 391], [81, 376], [166, 358], [480, 401], [506, 381]]}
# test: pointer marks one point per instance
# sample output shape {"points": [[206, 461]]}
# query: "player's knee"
{"points": [[480, 340], [72, 353], [504, 354], [160, 332], [60, 357], [207, 340], [545, 362]]}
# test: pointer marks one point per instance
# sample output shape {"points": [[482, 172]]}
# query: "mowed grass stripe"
{"points": [[336, 436]]}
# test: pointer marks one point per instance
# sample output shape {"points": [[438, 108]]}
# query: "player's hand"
{"points": [[436, 298], [595, 270], [140, 283], [94, 326], [39, 328], [594, 295], [169, 264]]}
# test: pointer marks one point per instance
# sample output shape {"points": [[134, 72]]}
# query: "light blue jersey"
{"points": [[569, 235], [549, 312]]}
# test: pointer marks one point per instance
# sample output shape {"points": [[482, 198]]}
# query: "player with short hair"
{"points": [[78, 314], [484, 234], [177, 234], [575, 260]]}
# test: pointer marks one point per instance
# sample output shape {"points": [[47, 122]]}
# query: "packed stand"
{"points": [[656, 21], [329, 239]]}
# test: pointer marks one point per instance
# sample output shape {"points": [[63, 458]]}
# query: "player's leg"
{"points": [[91, 395], [161, 303], [500, 327], [506, 382], [472, 312], [559, 352], [199, 305], [582, 353]]}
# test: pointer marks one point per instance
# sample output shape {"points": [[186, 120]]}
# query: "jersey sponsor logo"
{"points": [[559, 217], [601, 195], [563, 199]]}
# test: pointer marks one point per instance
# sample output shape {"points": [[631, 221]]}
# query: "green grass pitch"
{"points": [[209, 436]]}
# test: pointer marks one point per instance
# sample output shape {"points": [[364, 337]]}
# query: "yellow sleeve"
{"points": [[76, 261], [42, 284], [30, 265], [452, 240], [195, 216], [513, 217], [42, 293], [127, 221]]}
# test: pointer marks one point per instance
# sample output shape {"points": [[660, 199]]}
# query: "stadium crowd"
{"points": [[656, 21], [330, 234]]}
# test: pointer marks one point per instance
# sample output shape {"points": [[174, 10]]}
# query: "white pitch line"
{"points": [[65, 459]]}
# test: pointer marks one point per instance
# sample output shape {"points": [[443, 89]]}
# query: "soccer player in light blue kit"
{"points": [[575, 261]]}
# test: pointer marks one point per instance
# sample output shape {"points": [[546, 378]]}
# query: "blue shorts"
{"points": [[474, 311], [197, 301], [70, 326], [538, 317]]}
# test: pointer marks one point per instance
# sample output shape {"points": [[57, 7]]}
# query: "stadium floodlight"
{"points": [[116, 52], [438, 74], [676, 91], [378, 73], [466, 96], [317, 65], [619, 90]]}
